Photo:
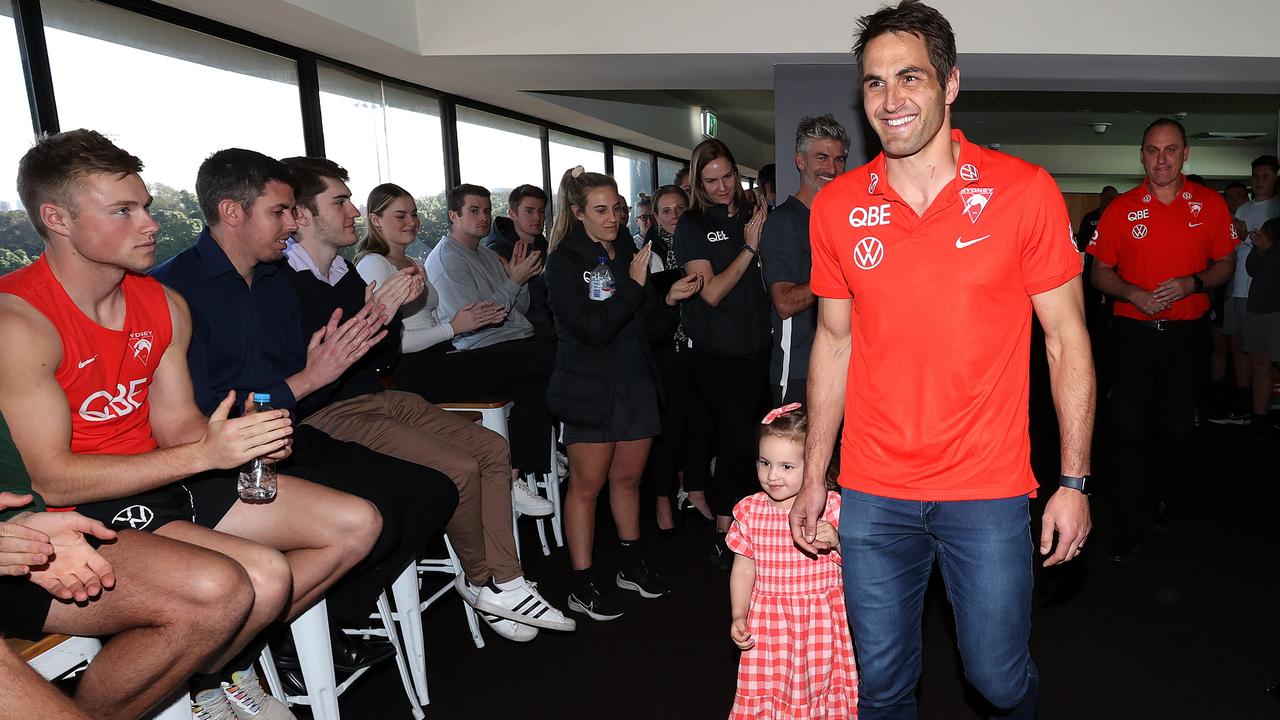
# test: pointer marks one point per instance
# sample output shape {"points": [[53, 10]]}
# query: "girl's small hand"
{"points": [[741, 638], [827, 538]]}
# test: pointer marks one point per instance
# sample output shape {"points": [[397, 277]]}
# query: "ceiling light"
{"points": [[1099, 127]]}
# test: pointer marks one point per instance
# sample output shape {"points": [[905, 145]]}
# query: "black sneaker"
{"points": [[593, 603], [644, 581], [1234, 418], [720, 554]]}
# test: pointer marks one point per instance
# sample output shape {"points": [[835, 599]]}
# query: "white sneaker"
{"points": [[509, 629], [524, 605], [212, 705], [250, 702], [527, 503]]}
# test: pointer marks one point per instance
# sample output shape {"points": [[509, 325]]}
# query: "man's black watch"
{"points": [[1083, 484], [1197, 284]]}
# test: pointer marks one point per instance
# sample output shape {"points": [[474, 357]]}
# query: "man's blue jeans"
{"points": [[984, 549]]}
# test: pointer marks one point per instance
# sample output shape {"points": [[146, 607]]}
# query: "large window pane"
{"points": [[19, 244], [667, 170], [634, 172], [171, 96], [568, 151], [381, 132], [498, 153]]}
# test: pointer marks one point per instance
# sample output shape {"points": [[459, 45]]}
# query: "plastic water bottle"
{"points": [[258, 476], [600, 280]]}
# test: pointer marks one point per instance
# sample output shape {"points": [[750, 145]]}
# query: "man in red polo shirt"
{"points": [[1157, 249], [928, 263]]}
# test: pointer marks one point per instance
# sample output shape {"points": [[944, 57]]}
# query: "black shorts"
{"points": [[203, 499], [24, 607]]}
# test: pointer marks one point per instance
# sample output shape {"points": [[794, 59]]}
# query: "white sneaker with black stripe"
{"points": [[509, 629], [523, 604]]}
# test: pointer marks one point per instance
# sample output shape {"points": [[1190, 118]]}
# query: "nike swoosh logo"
{"points": [[86, 362], [1194, 224], [960, 243]]}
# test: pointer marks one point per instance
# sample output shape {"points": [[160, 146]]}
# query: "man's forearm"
{"points": [[828, 368], [1108, 281], [1072, 380], [78, 478], [791, 298], [1219, 273]]}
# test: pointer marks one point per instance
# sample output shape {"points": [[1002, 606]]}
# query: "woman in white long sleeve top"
{"points": [[429, 365]]}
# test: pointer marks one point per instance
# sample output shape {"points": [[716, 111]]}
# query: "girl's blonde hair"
{"points": [[379, 198]]}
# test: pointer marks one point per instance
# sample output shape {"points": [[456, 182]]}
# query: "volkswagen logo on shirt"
{"points": [[868, 253], [1139, 231], [968, 172]]}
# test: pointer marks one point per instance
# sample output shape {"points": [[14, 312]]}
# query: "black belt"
{"points": [[1163, 325]]}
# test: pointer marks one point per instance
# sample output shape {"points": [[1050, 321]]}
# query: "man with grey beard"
{"points": [[822, 146]]}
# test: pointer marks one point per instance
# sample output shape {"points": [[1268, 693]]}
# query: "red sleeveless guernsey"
{"points": [[104, 373]]}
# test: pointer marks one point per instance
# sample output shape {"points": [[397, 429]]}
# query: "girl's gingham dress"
{"points": [[802, 664]]}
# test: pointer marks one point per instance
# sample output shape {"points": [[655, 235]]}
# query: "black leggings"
{"points": [[735, 391], [516, 370]]}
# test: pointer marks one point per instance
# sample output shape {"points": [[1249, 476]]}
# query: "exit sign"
{"points": [[710, 123]]}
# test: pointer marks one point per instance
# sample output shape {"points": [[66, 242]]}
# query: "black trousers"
{"points": [[517, 370], [415, 501], [684, 444], [1156, 377], [736, 393]]}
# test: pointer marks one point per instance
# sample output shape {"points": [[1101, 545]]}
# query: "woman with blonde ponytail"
{"points": [[603, 384]]}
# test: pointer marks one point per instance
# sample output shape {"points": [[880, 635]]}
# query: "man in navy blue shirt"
{"points": [[246, 337]]}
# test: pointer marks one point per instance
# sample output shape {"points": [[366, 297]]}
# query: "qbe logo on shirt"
{"points": [[868, 253]]}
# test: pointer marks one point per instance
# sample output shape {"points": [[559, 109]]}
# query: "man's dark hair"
{"points": [[1270, 161], [681, 173], [1272, 228], [1236, 184], [520, 193], [768, 176], [458, 196], [915, 18], [1105, 188], [237, 174], [52, 171], [309, 174], [1165, 122]]}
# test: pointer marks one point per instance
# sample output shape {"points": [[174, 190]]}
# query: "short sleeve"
{"points": [[779, 255], [827, 277], [1223, 237], [690, 243], [375, 268], [739, 537], [1105, 244], [1049, 255]]}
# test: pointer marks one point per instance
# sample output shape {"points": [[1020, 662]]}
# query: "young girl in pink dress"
{"points": [[788, 607]]}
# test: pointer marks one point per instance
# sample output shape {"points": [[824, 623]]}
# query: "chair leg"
{"points": [[405, 590], [389, 624], [315, 654], [531, 480], [553, 494], [473, 622], [515, 528], [272, 676]]}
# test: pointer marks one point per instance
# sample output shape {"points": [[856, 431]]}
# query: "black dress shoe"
{"points": [[350, 653], [1122, 550], [1162, 519]]}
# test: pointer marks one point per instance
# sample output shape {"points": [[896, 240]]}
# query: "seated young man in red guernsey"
{"points": [[95, 365]]}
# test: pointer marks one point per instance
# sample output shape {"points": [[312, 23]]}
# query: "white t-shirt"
{"points": [[1254, 214]]}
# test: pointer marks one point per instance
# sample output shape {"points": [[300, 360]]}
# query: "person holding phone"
{"points": [[718, 239], [603, 384]]}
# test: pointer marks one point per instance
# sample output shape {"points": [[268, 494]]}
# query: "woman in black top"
{"points": [[603, 382], [727, 324]]}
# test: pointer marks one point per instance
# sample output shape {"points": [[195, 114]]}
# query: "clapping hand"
{"points": [[477, 315], [524, 265], [403, 287], [684, 288], [639, 269]]}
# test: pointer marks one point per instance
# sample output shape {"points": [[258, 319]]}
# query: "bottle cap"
{"points": [[262, 397]]}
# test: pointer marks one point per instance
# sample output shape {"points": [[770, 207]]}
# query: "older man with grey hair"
{"points": [[822, 146]]}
